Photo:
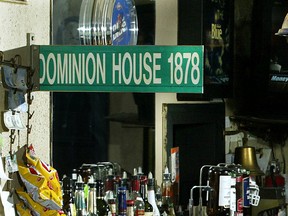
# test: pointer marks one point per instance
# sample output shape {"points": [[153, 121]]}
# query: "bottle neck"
{"points": [[143, 191], [109, 183], [136, 185], [99, 187]]}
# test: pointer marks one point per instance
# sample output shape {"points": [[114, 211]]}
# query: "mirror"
{"points": [[91, 127]]}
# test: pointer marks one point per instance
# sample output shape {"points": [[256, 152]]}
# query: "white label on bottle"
{"points": [[233, 195], [224, 191]]}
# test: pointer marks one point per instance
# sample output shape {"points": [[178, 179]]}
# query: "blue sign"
{"points": [[121, 23]]}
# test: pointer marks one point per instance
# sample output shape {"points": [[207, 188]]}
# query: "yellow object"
{"points": [[41, 180], [35, 207], [22, 209]]}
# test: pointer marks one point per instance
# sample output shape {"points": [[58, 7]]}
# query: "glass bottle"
{"points": [[171, 211], [212, 196], [112, 206], [236, 201], [144, 194], [102, 206], [68, 197], [92, 198], [220, 180], [121, 198], [109, 186], [166, 192], [74, 177], [124, 182], [130, 207], [80, 198], [239, 197], [151, 194], [247, 211], [224, 191], [139, 206]]}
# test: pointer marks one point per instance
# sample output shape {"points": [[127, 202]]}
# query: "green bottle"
{"points": [[80, 198]]}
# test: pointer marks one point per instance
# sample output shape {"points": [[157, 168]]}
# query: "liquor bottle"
{"points": [[124, 182], [239, 192], [167, 195], [80, 198], [243, 178], [158, 195], [139, 206], [130, 207], [236, 200], [102, 206], [220, 181], [110, 193], [74, 177], [212, 196], [92, 198], [68, 197], [224, 191], [121, 198], [151, 194], [140, 172], [109, 186], [171, 211], [247, 211], [112, 206], [144, 193]]}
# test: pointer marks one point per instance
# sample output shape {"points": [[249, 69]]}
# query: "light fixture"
{"points": [[284, 29]]}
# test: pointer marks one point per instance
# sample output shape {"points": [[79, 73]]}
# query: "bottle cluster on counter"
{"points": [[231, 190], [107, 193]]}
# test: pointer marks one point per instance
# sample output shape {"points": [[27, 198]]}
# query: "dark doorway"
{"points": [[80, 130], [197, 129]]}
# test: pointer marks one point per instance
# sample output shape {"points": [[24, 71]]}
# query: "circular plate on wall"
{"points": [[85, 22], [88, 24], [81, 26], [108, 22], [95, 23]]}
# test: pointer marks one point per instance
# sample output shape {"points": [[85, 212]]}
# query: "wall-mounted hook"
{"points": [[30, 115], [17, 59], [30, 98], [29, 128], [12, 140]]}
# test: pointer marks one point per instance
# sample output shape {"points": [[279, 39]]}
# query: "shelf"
{"points": [[259, 120], [269, 129]]}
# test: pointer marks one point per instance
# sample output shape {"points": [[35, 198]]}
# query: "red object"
{"points": [[279, 181]]}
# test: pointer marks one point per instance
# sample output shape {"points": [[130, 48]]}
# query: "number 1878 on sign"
{"points": [[184, 68]]}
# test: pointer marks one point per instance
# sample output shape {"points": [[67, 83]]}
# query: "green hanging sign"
{"points": [[121, 68]]}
